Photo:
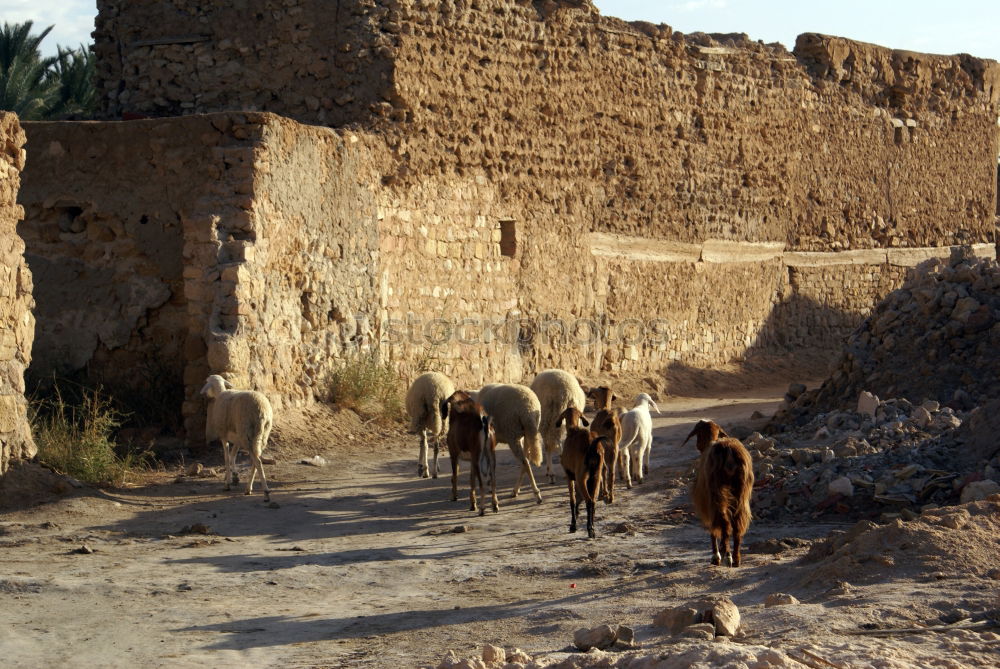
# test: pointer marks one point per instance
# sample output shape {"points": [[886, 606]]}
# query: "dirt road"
{"points": [[359, 566]]}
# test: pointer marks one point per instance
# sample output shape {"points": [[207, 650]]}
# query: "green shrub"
{"points": [[366, 383], [75, 437]]}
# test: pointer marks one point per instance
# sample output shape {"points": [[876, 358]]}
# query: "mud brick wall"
{"points": [[836, 145], [167, 250], [17, 325]]}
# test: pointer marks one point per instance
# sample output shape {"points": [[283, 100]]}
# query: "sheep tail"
{"points": [[533, 448]]}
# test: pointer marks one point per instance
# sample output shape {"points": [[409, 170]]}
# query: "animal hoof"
{"points": [[496, 508], [716, 560], [435, 476], [482, 512], [729, 560], [539, 501], [591, 534], [572, 529]]}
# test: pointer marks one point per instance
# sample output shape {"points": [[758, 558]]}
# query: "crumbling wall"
{"points": [[508, 133], [16, 321], [319, 62], [120, 232]]}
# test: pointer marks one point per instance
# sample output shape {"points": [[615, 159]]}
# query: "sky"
{"points": [[935, 26]]}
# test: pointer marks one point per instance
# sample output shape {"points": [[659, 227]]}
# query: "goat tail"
{"points": [[533, 448]]}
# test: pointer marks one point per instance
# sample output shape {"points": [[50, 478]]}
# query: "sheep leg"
{"points": [[573, 507], [228, 465], [518, 450], [422, 470], [549, 450], [258, 466]]}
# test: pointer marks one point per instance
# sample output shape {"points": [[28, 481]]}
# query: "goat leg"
{"points": [[437, 449], [736, 549], [716, 556], [590, 519]]}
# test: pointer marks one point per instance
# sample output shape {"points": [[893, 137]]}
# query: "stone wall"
{"points": [[168, 250], [513, 185], [638, 130], [16, 322]]}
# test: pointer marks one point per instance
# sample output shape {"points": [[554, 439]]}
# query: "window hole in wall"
{"points": [[70, 219], [508, 237], [144, 219]]}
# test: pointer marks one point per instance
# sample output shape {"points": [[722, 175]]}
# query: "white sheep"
{"points": [[241, 419], [637, 438], [557, 391], [423, 403], [516, 413]]}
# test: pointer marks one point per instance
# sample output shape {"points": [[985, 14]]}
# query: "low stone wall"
{"points": [[17, 325]]}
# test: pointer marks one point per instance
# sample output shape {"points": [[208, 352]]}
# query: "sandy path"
{"points": [[358, 566]]}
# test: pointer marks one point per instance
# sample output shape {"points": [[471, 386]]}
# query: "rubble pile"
{"points": [[892, 458], [934, 338], [839, 449]]}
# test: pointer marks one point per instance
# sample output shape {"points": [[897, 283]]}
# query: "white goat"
{"points": [[423, 403], [637, 438], [240, 419], [557, 391]]}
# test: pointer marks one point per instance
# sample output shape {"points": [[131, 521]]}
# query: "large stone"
{"points": [[726, 618], [867, 404], [601, 637], [676, 619], [780, 599], [493, 654], [979, 490], [842, 486]]}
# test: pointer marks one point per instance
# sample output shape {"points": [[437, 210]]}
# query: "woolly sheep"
{"points": [[557, 391], [423, 403], [241, 419], [637, 439], [516, 413]]}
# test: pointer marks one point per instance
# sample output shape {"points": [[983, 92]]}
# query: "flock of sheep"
{"points": [[615, 443], [530, 420]]}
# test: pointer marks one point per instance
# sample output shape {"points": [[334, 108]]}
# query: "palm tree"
{"points": [[44, 88], [26, 84], [74, 72]]}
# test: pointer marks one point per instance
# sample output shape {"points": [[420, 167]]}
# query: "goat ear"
{"points": [[559, 421], [654, 406], [584, 421], [693, 432], [227, 384], [722, 433], [613, 397]]}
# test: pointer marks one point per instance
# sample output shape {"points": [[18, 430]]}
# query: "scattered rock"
{"points": [[194, 469], [626, 635], [314, 461], [493, 654], [867, 404], [83, 550], [780, 599], [700, 631], [601, 637], [979, 490], [726, 617], [676, 619], [197, 528]]}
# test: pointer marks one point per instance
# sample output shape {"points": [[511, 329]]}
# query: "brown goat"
{"points": [[722, 487], [583, 459], [471, 437], [607, 423]]}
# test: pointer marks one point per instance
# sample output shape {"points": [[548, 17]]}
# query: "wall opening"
{"points": [[508, 237]]}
